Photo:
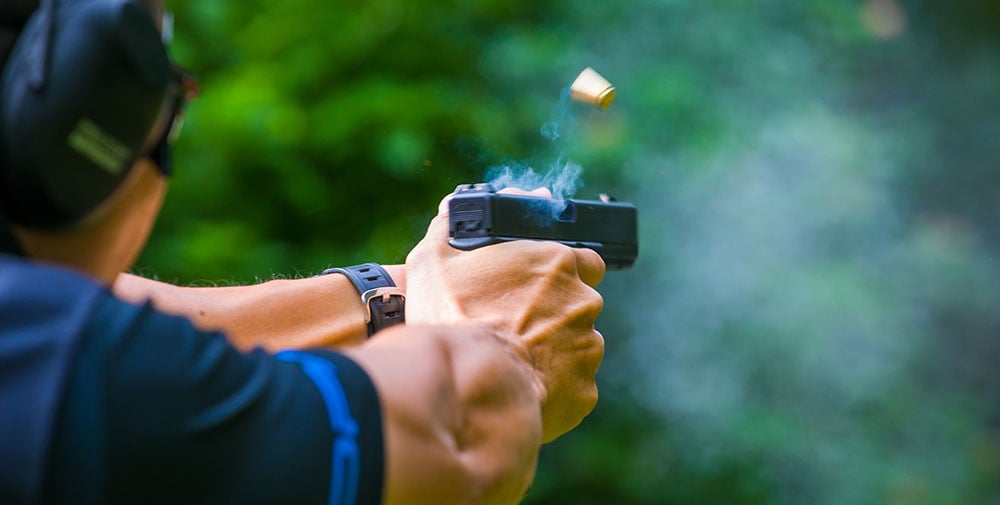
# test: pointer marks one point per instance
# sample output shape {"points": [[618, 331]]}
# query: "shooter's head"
{"points": [[88, 99]]}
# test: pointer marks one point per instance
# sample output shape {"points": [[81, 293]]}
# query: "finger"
{"points": [[440, 228], [443, 206], [542, 192], [538, 192], [589, 266]]}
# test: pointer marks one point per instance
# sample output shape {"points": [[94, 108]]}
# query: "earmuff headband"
{"points": [[40, 69], [81, 95]]}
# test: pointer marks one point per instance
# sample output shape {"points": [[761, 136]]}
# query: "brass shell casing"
{"points": [[589, 87]]}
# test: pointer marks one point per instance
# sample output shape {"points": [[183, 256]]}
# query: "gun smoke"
{"points": [[790, 322], [560, 176]]}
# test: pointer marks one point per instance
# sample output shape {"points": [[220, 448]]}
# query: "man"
{"points": [[105, 401]]}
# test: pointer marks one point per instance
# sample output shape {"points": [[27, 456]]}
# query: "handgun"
{"points": [[480, 216]]}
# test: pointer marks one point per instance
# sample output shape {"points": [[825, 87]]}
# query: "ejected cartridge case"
{"points": [[590, 87]]}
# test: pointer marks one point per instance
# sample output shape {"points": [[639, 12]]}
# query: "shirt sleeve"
{"points": [[160, 412]]}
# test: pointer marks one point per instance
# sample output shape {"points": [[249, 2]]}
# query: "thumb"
{"points": [[439, 227]]}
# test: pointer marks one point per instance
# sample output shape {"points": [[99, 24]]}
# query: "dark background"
{"points": [[814, 316]]}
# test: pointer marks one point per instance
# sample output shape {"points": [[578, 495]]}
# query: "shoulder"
{"points": [[45, 308], [25, 284], [170, 390], [42, 314], [42, 300]]}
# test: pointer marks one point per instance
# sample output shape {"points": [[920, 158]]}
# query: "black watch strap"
{"points": [[384, 302]]}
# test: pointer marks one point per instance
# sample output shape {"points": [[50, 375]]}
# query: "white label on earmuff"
{"points": [[167, 28], [99, 146]]}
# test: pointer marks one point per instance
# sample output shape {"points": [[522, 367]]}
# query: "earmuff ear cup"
{"points": [[66, 147]]}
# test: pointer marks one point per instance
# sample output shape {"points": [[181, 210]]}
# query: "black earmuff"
{"points": [[83, 95]]}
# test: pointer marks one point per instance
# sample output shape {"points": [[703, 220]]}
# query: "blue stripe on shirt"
{"points": [[346, 458]]}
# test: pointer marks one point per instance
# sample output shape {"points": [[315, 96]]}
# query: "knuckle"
{"points": [[596, 301], [593, 263], [560, 254], [596, 354], [589, 398], [417, 255], [591, 304], [566, 255]]}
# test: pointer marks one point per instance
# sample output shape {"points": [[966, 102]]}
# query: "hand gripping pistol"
{"points": [[479, 216]]}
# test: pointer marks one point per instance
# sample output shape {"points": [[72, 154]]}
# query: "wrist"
{"points": [[398, 274], [382, 300]]}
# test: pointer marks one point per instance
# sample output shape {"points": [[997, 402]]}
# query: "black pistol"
{"points": [[479, 216]]}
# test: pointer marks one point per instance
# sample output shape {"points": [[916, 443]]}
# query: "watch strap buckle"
{"points": [[384, 306], [383, 301]]}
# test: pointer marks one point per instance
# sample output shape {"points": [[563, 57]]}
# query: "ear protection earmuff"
{"points": [[87, 90]]}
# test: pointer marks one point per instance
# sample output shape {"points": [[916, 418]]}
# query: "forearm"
{"points": [[461, 418], [319, 311]]}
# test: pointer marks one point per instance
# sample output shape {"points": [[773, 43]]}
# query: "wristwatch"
{"points": [[384, 302]]}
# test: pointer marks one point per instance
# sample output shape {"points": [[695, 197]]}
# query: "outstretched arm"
{"points": [[324, 311], [498, 356]]}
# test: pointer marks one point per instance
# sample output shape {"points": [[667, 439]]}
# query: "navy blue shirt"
{"points": [[153, 410]]}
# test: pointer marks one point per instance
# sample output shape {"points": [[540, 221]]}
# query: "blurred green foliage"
{"points": [[814, 315]]}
